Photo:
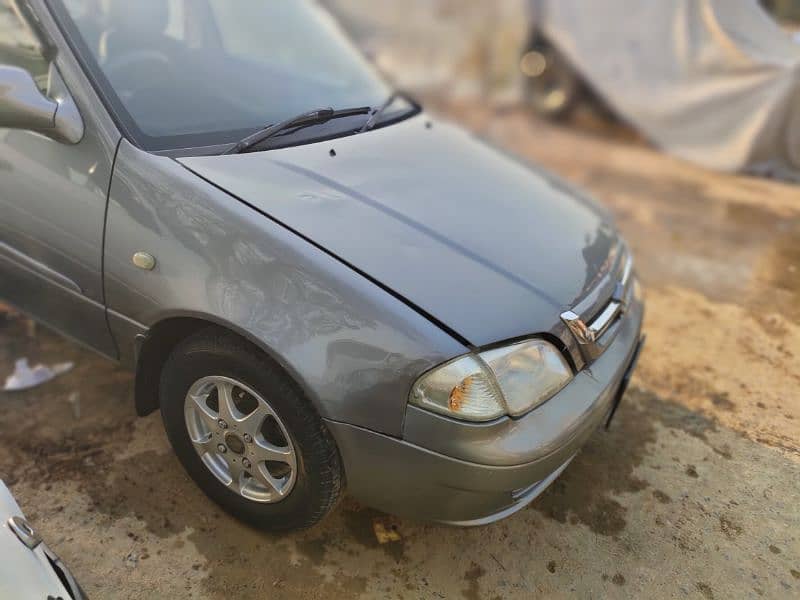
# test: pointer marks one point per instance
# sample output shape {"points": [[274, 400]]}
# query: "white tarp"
{"points": [[716, 82]]}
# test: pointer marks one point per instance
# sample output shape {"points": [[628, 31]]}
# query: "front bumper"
{"points": [[474, 474]]}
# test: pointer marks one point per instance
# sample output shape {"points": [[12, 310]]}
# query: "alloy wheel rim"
{"points": [[241, 439]]}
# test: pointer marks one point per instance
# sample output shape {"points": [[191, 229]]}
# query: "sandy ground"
{"points": [[695, 491]]}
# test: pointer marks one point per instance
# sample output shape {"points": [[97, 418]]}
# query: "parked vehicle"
{"points": [[711, 82], [29, 569], [553, 87], [357, 297]]}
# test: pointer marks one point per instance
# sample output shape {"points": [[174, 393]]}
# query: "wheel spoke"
{"points": [[264, 451], [236, 472], [262, 474], [202, 410], [227, 409], [205, 444], [252, 423]]}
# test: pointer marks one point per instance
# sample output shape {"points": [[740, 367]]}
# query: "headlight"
{"points": [[506, 381]]}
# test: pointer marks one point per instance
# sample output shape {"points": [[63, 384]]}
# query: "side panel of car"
{"points": [[354, 348], [52, 210]]}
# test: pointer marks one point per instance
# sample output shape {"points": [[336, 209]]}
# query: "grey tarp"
{"points": [[716, 82]]}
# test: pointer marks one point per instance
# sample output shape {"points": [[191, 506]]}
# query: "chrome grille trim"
{"points": [[590, 334]]}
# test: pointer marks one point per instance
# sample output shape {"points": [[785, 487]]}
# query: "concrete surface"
{"points": [[695, 491]]}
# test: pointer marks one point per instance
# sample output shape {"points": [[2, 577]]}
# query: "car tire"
{"points": [[217, 358], [552, 87]]}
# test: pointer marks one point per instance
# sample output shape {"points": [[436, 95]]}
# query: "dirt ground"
{"points": [[694, 492]]}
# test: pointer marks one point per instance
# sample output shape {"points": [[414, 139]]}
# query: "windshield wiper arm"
{"points": [[307, 119], [378, 112]]}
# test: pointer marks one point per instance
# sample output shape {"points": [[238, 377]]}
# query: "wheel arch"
{"points": [[154, 347]]}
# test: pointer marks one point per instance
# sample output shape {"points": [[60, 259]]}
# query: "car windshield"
{"points": [[188, 73]]}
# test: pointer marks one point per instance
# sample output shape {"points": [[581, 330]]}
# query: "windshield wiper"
{"points": [[378, 112], [307, 119]]}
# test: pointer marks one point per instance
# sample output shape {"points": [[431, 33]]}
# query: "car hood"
{"points": [[489, 247]]}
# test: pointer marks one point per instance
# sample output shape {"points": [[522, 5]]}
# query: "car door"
{"points": [[53, 194]]}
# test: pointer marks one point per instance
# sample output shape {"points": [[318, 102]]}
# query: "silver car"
{"points": [[29, 569], [319, 286]]}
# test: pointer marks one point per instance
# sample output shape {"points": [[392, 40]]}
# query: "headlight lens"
{"points": [[510, 380], [528, 374], [463, 388]]}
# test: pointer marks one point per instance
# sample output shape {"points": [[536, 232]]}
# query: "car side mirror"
{"points": [[23, 106]]}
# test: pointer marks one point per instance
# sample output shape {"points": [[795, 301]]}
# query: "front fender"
{"points": [[353, 347]]}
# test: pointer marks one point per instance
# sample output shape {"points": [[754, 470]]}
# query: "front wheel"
{"points": [[246, 433]]}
